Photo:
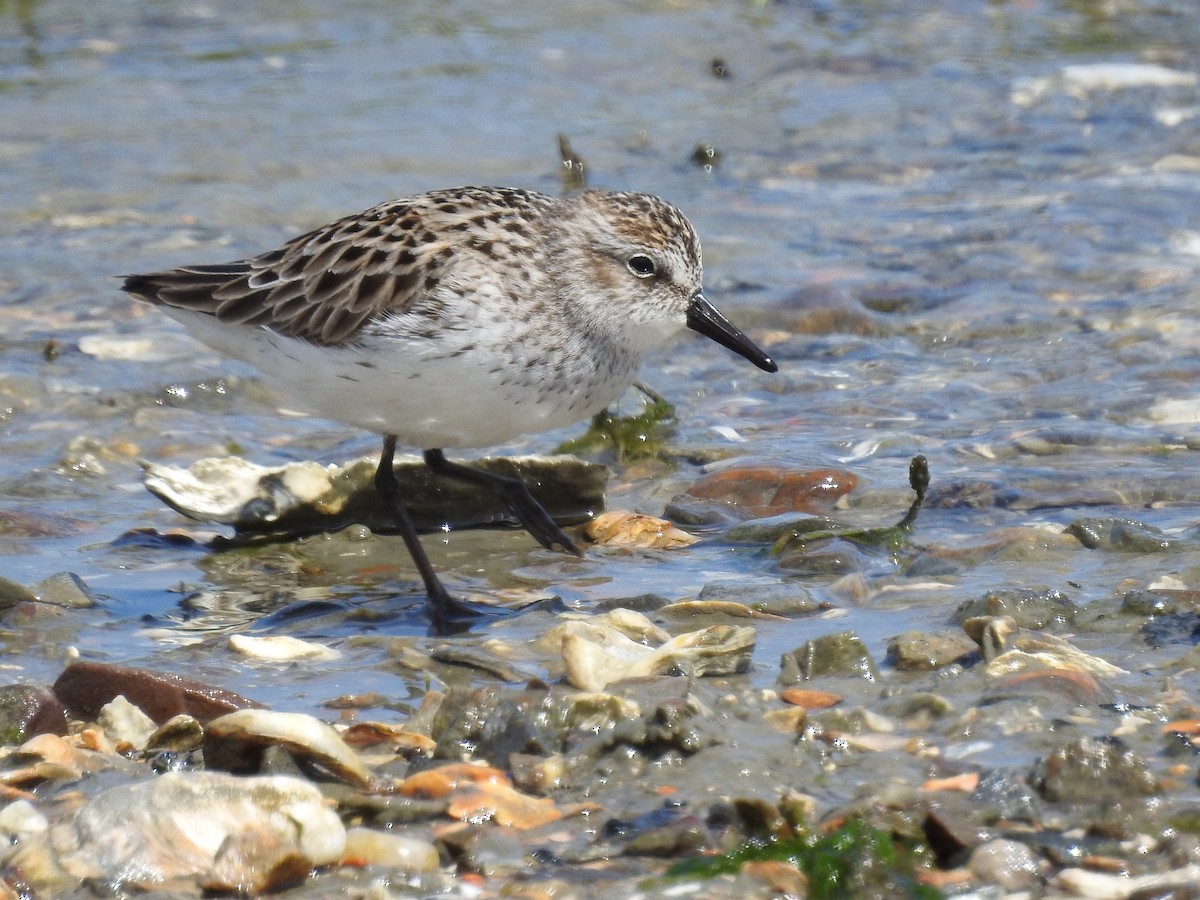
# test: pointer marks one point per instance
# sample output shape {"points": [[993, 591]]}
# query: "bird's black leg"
{"points": [[446, 610], [515, 496]]}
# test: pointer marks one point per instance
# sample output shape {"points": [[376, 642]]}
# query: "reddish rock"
{"points": [[1080, 688], [84, 687], [768, 490], [809, 699]]}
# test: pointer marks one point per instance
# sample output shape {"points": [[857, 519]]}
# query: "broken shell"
{"points": [[126, 723], [618, 528], [369, 846], [178, 734], [625, 622], [497, 802], [177, 828], [598, 658], [280, 648], [232, 740], [1009, 649]]}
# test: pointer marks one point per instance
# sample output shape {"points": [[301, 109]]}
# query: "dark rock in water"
{"points": [[1121, 535], [1172, 616], [684, 509], [1149, 603], [12, 593], [826, 309], [1008, 793], [1037, 609], [490, 724], [29, 709], [685, 836], [1176, 628], [655, 818], [972, 495], [759, 820], [644, 603], [65, 589], [667, 831], [84, 687], [951, 836], [843, 653], [673, 727], [307, 497], [1094, 770]]}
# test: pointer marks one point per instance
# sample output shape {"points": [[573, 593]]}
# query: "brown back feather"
{"points": [[325, 285]]}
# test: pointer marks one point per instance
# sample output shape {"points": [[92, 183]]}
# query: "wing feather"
{"points": [[326, 285]]}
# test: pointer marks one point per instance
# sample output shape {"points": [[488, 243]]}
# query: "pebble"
{"points": [[281, 648], [125, 724], [405, 855]]}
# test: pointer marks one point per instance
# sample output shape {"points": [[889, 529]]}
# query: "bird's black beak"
{"points": [[705, 318]]}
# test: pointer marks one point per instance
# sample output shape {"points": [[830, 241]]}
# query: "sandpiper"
{"points": [[458, 318]]}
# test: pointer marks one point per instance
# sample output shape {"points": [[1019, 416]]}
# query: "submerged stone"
{"points": [[918, 651], [1028, 608], [758, 491], [1094, 770], [65, 589], [1119, 535], [1175, 628], [1010, 865], [843, 653], [12, 593]]}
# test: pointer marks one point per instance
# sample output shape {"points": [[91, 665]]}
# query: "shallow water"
{"points": [[1013, 262]]}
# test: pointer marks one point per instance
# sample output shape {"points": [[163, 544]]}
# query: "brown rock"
{"points": [[1081, 688], [84, 687]]}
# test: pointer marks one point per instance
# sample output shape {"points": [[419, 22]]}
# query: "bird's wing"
{"points": [[322, 286]]}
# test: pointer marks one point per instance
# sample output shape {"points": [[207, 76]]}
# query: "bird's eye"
{"points": [[642, 266]]}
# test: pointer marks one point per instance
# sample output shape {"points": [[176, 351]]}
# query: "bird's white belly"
{"points": [[474, 399]]}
